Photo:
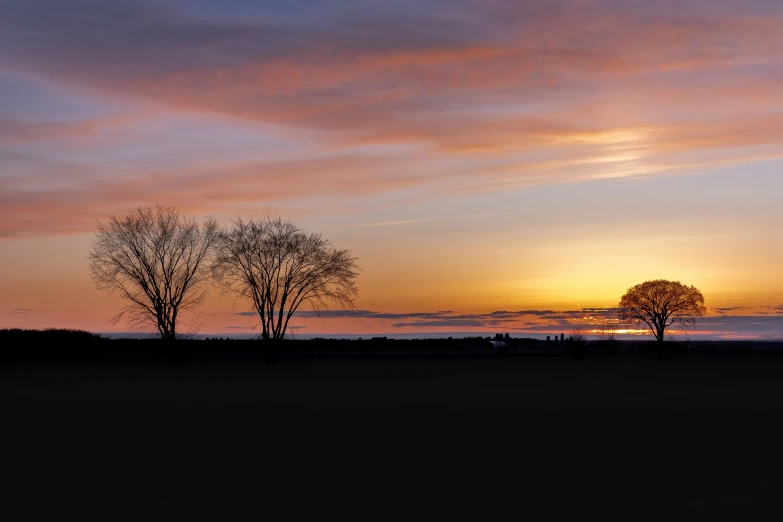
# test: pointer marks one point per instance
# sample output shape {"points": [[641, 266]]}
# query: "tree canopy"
{"points": [[156, 260], [278, 267], [661, 303]]}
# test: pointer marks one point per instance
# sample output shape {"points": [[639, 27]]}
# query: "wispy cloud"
{"points": [[745, 310], [450, 318], [19, 311], [487, 215], [36, 200], [730, 309], [12, 132], [388, 81], [354, 314], [479, 95], [387, 223], [546, 322]]}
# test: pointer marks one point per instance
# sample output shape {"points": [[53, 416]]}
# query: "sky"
{"points": [[495, 166]]}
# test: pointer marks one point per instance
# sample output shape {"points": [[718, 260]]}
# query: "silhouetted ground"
{"points": [[626, 437], [36, 344]]}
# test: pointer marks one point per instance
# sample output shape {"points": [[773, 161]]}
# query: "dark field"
{"points": [[626, 436]]}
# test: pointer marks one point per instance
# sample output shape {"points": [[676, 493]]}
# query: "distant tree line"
{"points": [[18, 336]]}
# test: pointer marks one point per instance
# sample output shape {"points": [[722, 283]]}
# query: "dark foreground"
{"points": [[630, 438]]}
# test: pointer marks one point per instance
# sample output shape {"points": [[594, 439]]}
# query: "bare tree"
{"points": [[157, 261], [660, 304], [578, 334], [278, 267]]}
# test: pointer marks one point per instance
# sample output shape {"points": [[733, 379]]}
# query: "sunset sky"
{"points": [[495, 165]]}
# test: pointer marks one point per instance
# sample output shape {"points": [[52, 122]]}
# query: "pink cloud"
{"points": [[331, 78], [52, 209], [502, 95]]}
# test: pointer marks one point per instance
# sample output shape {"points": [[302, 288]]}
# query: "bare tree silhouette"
{"points": [[278, 267], [157, 261], [578, 334], [660, 304]]}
